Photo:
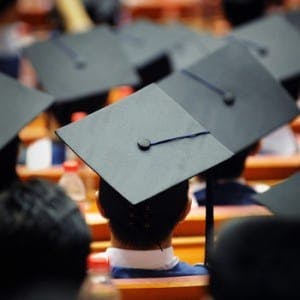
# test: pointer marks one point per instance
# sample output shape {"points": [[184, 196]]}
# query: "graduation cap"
{"points": [[233, 95], [75, 66], [274, 42], [283, 198], [148, 136], [192, 46], [146, 45], [19, 105]]}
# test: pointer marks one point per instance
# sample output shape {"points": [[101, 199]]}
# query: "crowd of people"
{"points": [[145, 148]]}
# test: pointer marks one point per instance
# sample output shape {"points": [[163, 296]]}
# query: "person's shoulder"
{"points": [[183, 268], [180, 269]]}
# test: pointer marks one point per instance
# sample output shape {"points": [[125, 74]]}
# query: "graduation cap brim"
{"points": [[259, 105], [283, 199], [19, 105], [107, 141], [280, 41], [72, 67]]}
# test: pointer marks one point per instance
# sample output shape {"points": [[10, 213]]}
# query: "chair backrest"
{"points": [[271, 167], [175, 288]]}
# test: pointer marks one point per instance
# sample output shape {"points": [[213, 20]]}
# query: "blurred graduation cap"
{"points": [[81, 66], [148, 136], [283, 198], [233, 95], [146, 45], [274, 42], [191, 46], [19, 105]]}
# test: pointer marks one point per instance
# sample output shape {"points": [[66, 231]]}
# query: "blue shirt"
{"points": [[181, 269], [229, 193]]}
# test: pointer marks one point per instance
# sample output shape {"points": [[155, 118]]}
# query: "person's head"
{"points": [[43, 235], [256, 258], [234, 166], [239, 12], [242, 11], [146, 225], [8, 162]]}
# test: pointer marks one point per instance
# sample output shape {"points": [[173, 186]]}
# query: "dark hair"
{"points": [[256, 258], [43, 234], [6, 3], [233, 167], [242, 11], [148, 223], [8, 159]]}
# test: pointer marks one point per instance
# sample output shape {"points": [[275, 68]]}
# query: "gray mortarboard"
{"points": [[233, 95], [75, 66], [146, 45], [274, 42], [191, 46], [283, 198], [148, 136], [18, 106]]}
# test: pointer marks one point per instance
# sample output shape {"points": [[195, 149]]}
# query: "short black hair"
{"points": [[43, 234], [8, 159], [233, 167], [256, 258], [148, 223], [239, 12]]}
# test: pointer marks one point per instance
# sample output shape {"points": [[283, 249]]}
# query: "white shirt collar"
{"points": [[142, 259]]}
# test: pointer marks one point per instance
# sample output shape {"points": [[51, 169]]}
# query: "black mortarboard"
{"points": [[144, 144], [274, 42], [73, 67], [293, 16], [283, 198], [233, 95], [191, 46], [18, 106]]}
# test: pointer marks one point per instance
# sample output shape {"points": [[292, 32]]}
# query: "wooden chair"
{"points": [[266, 168], [271, 167], [175, 288], [35, 130]]}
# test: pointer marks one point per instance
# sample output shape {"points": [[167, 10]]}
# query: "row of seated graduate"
{"points": [[46, 243], [166, 170]]}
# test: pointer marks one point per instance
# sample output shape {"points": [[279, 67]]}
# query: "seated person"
{"points": [[44, 238], [141, 235], [230, 188], [256, 258]]}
